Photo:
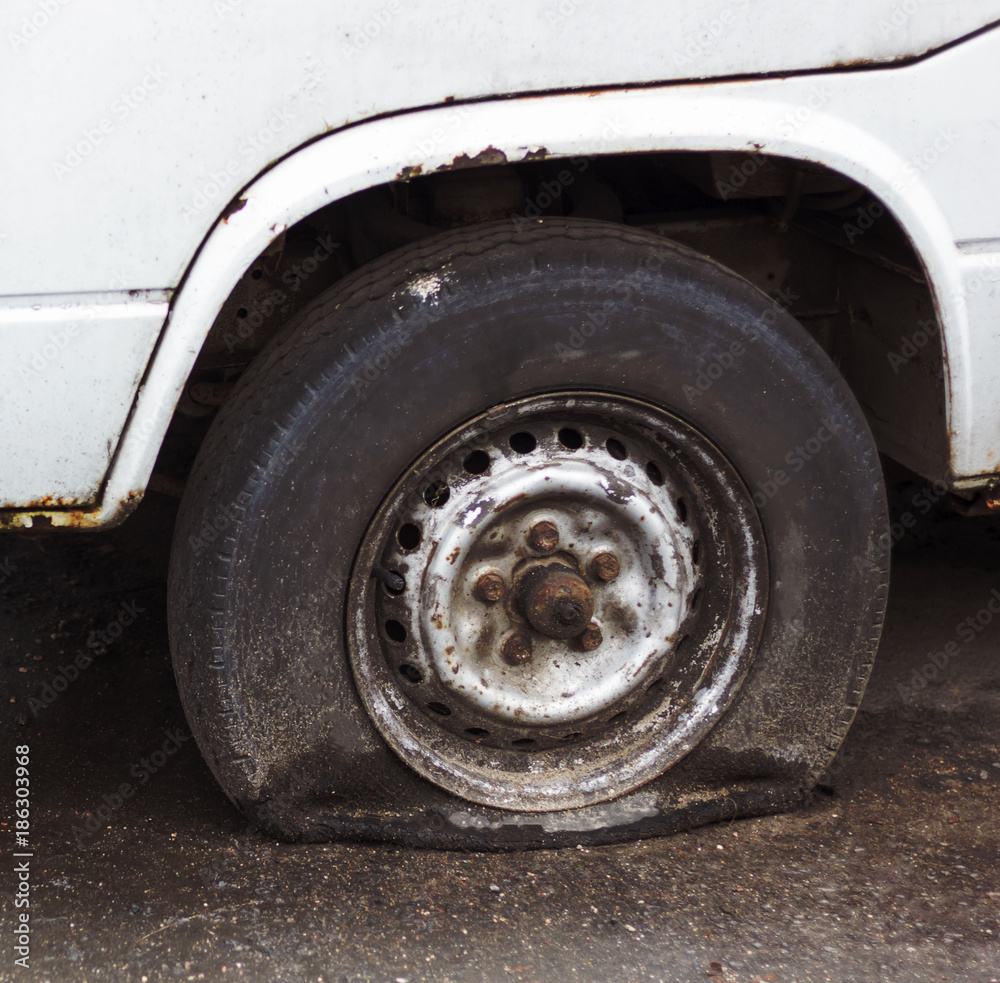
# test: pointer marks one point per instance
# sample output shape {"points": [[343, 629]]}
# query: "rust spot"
{"points": [[556, 601], [53, 513], [623, 618], [540, 154], [233, 207], [512, 501], [490, 587], [605, 566], [453, 555], [516, 651], [591, 637], [490, 155], [544, 536], [410, 171]]}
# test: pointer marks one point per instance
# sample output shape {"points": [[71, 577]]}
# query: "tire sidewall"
{"points": [[370, 376]]}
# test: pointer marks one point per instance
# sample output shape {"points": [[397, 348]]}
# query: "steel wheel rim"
{"points": [[679, 621]]}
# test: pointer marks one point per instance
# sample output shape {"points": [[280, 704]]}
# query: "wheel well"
{"points": [[818, 243]]}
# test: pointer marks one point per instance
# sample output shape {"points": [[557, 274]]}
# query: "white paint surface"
{"points": [[184, 105]]}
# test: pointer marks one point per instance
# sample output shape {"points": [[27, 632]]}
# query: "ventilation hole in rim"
{"points": [[408, 536], [242, 312], [395, 631], [478, 462], [411, 673], [523, 742], [571, 737], [656, 682], [440, 709], [682, 509], [695, 598], [618, 717], [654, 474], [616, 449], [437, 494], [477, 731], [522, 442], [695, 552], [677, 647], [571, 439], [256, 274]]}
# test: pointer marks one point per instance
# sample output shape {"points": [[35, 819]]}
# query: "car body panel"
{"points": [[921, 136]]}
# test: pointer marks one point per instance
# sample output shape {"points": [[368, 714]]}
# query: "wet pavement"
{"points": [[141, 870]]}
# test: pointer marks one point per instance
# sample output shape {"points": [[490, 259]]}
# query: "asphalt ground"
{"points": [[891, 873]]}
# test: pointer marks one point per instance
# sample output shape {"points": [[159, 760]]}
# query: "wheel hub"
{"points": [[555, 599], [552, 604]]}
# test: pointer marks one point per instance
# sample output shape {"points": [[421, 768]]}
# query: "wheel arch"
{"points": [[695, 118]]}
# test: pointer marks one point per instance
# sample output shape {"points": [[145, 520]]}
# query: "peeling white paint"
{"points": [[426, 287]]}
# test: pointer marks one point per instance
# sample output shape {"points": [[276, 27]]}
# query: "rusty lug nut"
{"points": [[544, 536], [516, 649], [591, 637], [489, 588], [605, 566]]}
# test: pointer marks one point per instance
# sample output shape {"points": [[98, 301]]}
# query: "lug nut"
{"points": [[544, 536], [516, 649], [605, 566], [490, 588], [591, 637]]}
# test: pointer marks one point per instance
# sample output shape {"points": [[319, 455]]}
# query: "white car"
{"points": [[545, 352]]}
